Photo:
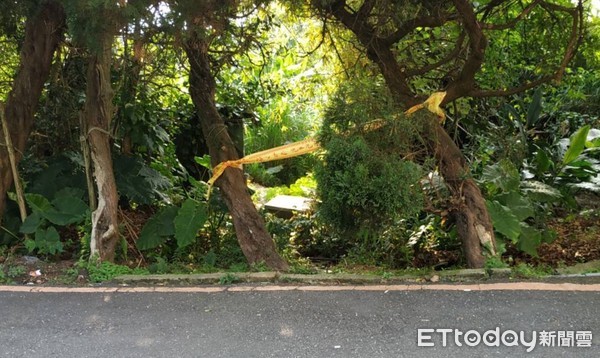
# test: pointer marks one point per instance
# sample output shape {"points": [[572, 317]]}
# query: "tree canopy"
{"points": [[116, 113]]}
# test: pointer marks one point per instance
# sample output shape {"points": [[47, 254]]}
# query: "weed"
{"points": [[16, 271], [240, 267], [495, 262], [260, 267], [106, 271], [3, 277], [523, 270], [228, 279], [387, 275]]}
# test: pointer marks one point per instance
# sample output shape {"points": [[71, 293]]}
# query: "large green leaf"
{"points": [[518, 205], [157, 229], [189, 220], [69, 210], [505, 222], [31, 223], [530, 240], [539, 191], [593, 144], [38, 203], [543, 161], [576, 145], [503, 175]]}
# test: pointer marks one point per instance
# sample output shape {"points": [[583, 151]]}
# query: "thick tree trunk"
{"points": [[43, 33], [473, 222], [255, 241], [97, 115]]}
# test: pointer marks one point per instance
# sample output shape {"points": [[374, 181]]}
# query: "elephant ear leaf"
{"points": [[190, 218], [157, 229], [505, 222]]}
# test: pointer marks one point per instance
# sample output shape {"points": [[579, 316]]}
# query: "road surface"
{"points": [[297, 323]]}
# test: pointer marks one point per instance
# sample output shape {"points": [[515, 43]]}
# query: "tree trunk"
{"points": [[473, 223], [97, 115], [255, 241], [43, 33]]}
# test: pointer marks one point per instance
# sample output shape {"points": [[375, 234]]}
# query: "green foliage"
{"points": [[306, 235], [158, 228], [66, 208], [523, 270], [365, 186], [3, 278], [304, 186], [47, 242], [182, 223], [576, 145], [516, 213], [228, 279], [190, 218], [48, 176], [138, 182], [358, 185], [515, 203], [493, 262], [106, 271]]}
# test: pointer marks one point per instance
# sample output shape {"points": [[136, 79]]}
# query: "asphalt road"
{"points": [[292, 323]]}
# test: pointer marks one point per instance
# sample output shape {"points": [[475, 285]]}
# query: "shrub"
{"points": [[365, 184]]}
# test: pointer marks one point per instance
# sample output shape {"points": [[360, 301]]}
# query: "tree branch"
{"points": [[409, 26], [477, 44], [513, 22], [453, 54]]}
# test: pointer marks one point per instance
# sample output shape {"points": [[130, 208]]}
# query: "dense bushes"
{"points": [[364, 184]]}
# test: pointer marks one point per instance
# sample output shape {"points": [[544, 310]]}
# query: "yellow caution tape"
{"points": [[310, 145], [283, 152], [432, 104]]}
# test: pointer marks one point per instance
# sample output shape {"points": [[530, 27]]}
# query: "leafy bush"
{"points": [[66, 208], [364, 183], [532, 157], [361, 188], [194, 231], [518, 203], [182, 223], [306, 235], [138, 182]]}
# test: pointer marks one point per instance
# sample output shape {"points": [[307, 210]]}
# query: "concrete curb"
{"points": [[450, 276], [514, 286]]}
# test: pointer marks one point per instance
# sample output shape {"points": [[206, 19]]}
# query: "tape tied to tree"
{"points": [[432, 104], [283, 152], [310, 145]]}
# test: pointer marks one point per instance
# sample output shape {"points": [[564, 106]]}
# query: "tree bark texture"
{"points": [[473, 223], [97, 115], [255, 242], [43, 33]]}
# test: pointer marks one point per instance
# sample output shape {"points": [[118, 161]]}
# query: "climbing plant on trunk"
{"points": [[95, 25]]}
